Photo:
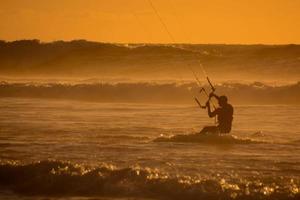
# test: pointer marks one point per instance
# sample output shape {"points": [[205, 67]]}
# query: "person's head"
{"points": [[222, 100]]}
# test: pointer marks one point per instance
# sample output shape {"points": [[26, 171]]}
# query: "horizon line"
{"points": [[151, 43]]}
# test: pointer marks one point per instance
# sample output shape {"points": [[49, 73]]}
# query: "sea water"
{"points": [[52, 149]]}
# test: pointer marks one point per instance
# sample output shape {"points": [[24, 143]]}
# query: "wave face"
{"points": [[238, 93], [82, 58], [54, 178]]}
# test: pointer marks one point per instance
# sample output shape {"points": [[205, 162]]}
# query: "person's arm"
{"points": [[209, 112], [213, 95]]}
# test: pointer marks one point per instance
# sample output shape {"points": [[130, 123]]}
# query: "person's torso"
{"points": [[225, 117]]}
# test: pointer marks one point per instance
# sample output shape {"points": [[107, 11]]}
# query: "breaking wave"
{"points": [[145, 92], [66, 179]]}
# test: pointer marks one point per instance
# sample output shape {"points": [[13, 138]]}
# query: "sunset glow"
{"points": [[190, 21]]}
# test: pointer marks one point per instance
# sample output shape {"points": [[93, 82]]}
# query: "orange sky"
{"points": [[189, 21]]}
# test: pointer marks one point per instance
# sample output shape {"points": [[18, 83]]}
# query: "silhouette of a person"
{"points": [[224, 115]]}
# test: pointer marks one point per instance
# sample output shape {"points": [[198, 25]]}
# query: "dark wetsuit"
{"points": [[224, 116]]}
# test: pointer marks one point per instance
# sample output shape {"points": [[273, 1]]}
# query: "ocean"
{"points": [[63, 149]]}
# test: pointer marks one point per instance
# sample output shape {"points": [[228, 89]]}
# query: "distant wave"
{"points": [[145, 92], [208, 139], [52, 178], [81, 58]]}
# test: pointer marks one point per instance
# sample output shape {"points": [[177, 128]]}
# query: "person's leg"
{"points": [[210, 130]]}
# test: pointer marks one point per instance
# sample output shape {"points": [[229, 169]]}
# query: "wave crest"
{"points": [[255, 93]]}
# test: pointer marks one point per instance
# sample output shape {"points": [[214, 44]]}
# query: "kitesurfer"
{"points": [[224, 115]]}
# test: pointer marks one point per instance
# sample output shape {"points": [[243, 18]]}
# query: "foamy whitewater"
{"points": [[52, 149]]}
